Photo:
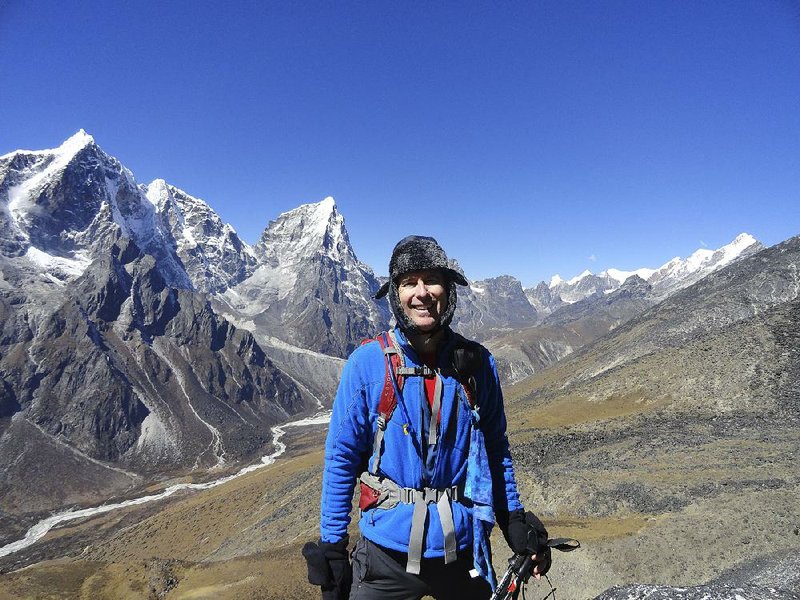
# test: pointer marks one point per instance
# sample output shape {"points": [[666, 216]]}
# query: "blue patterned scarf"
{"points": [[479, 490]]}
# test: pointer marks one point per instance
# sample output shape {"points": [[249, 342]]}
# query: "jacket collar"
{"points": [[410, 353]]}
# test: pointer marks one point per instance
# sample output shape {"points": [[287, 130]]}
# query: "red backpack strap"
{"points": [[388, 400], [394, 360]]}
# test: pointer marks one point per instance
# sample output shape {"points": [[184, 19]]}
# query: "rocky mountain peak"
{"points": [[586, 273], [490, 305], [72, 203], [308, 274], [69, 148], [582, 286], [308, 230], [53, 196], [634, 281], [678, 274], [544, 297], [76, 142], [211, 252]]}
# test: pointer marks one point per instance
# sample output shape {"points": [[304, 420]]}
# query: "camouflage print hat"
{"points": [[419, 253]]}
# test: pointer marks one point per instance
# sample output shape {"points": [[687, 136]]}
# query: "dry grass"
{"points": [[575, 410]]}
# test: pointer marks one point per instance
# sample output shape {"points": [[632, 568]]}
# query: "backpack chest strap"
{"points": [[423, 371]]}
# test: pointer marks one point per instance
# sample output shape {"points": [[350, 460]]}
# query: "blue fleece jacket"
{"points": [[350, 443]]}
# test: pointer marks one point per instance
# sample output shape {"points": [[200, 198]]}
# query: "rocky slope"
{"points": [[527, 351], [128, 378], [739, 291], [599, 304], [491, 306], [675, 436]]}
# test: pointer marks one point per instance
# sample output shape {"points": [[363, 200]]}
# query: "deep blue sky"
{"points": [[530, 138]]}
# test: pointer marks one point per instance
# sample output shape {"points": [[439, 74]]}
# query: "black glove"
{"points": [[526, 534], [329, 567]]}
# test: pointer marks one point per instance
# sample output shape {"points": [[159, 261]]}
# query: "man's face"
{"points": [[423, 296]]}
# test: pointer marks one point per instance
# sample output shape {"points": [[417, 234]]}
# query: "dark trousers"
{"points": [[380, 574]]}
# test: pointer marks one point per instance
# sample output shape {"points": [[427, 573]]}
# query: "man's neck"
{"points": [[426, 343]]}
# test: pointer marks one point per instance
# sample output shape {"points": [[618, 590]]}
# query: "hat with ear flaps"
{"points": [[419, 253]]}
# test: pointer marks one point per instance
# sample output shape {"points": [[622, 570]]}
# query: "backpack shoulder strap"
{"points": [[392, 386], [467, 357], [394, 361]]}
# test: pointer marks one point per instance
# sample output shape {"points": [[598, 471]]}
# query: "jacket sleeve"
{"points": [[493, 422], [346, 448]]}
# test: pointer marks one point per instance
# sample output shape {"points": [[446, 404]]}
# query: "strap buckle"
{"points": [[423, 371]]}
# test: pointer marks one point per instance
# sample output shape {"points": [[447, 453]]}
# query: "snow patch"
{"points": [[621, 276], [577, 278], [698, 259], [155, 438], [70, 267]]}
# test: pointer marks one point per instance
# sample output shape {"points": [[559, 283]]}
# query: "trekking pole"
{"points": [[520, 569]]}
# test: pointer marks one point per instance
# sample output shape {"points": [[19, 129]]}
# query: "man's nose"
{"points": [[421, 289]]}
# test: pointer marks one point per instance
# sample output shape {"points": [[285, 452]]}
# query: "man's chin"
{"points": [[427, 326]]}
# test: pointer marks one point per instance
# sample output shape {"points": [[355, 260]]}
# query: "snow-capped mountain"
{"points": [[113, 368], [678, 274], [582, 286], [309, 288], [212, 253], [665, 280], [65, 206], [302, 283]]}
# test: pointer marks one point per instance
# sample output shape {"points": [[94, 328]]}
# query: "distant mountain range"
{"points": [[665, 280], [68, 205]]}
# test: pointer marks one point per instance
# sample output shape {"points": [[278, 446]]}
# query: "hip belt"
{"points": [[383, 493]]}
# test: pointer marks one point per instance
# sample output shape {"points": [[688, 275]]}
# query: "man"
{"points": [[418, 420]]}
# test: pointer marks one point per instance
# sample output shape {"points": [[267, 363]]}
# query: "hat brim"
{"points": [[383, 290], [451, 273], [457, 277]]}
